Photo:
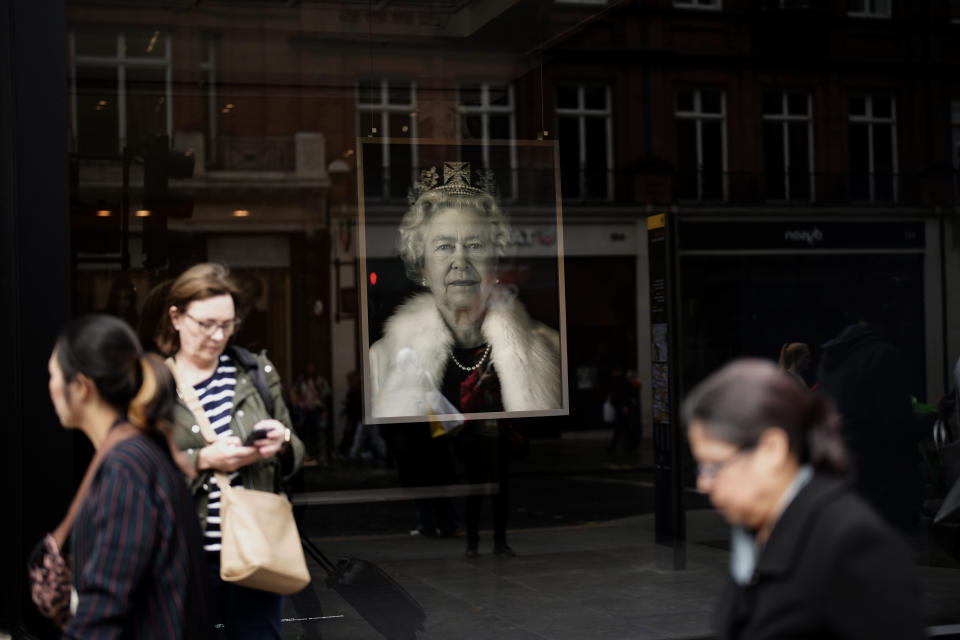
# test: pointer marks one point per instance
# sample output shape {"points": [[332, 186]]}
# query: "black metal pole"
{"points": [[669, 519], [125, 214]]}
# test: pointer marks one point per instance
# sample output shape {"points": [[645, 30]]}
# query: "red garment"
{"points": [[477, 395]]}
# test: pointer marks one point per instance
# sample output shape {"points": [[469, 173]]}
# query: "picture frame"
{"points": [[410, 308]]}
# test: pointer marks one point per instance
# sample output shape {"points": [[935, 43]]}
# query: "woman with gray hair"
{"points": [[808, 559], [465, 344]]}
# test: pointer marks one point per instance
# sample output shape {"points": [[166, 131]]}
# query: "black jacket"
{"points": [[831, 569], [866, 377]]}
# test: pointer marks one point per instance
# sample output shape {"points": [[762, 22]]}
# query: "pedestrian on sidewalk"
{"points": [[310, 397], [484, 448], [138, 567], [201, 317], [867, 377], [809, 559]]}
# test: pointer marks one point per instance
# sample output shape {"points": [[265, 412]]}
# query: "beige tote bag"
{"points": [[260, 545]]}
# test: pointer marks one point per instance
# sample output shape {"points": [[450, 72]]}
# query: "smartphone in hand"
{"points": [[253, 436]]}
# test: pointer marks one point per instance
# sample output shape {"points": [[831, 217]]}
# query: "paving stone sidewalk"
{"points": [[604, 580]]}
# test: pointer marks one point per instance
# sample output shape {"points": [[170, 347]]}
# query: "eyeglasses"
{"points": [[709, 470], [209, 328]]}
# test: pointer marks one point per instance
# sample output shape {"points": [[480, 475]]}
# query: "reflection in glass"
{"points": [[798, 103], [471, 127], [568, 136], [96, 110], [584, 135], [713, 175], [773, 149], [772, 102], [400, 93], [595, 97], [688, 167], [500, 95], [860, 162], [567, 97], [95, 43], [471, 94], [146, 105], [368, 92], [711, 101], [145, 44]]}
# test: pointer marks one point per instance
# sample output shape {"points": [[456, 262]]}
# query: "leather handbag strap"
{"points": [[189, 396], [115, 436]]}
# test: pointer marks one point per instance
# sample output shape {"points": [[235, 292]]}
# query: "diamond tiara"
{"points": [[456, 180]]}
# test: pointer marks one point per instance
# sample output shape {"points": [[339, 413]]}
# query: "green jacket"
{"points": [[248, 409]]}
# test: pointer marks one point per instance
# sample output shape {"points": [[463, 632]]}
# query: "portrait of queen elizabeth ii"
{"points": [[464, 344]]}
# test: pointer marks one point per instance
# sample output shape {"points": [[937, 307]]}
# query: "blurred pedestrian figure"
{"points": [[425, 461], [122, 301], [809, 559], [138, 566], [154, 309], [621, 395], [310, 396], [795, 360], [363, 441], [634, 413], [484, 448], [352, 413], [253, 330], [865, 375]]}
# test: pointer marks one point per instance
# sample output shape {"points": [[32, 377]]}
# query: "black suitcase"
{"points": [[376, 596]]}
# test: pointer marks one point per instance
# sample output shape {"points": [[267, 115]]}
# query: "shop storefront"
{"points": [[808, 186]]}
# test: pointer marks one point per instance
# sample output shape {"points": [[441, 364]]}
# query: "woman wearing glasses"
{"points": [[195, 333], [809, 559]]}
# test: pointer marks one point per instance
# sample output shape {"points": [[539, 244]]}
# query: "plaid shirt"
{"points": [[137, 550]]}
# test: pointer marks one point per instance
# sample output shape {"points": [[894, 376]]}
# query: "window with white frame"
{"points": [[788, 145], [698, 4], [120, 90], [387, 109], [487, 117], [955, 144], [868, 8], [585, 138], [873, 148], [701, 144]]}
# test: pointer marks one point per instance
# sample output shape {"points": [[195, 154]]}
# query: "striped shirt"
{"points": [[137, 564], [216, 396]]}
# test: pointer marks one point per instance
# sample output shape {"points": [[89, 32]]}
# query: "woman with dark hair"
{"points": [[809, 559], [138, 567], [254, 446], [795, 360]]}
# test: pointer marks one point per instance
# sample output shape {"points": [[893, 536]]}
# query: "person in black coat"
{"points": [[865, 375], [809, 559]]}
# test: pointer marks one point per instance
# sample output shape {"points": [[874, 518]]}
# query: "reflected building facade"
{"points": [[240, 122]]}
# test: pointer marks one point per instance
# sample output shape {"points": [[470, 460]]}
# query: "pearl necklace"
{"points": [[479, 362]]}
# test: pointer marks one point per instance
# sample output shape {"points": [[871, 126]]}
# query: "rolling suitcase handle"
{"points": [[314, 552]]}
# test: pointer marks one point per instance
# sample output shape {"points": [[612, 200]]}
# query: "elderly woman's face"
{"points": [[459, 263], [735, 479]]}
